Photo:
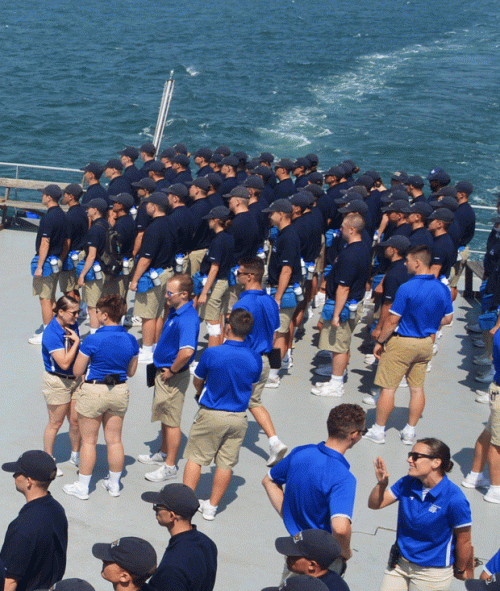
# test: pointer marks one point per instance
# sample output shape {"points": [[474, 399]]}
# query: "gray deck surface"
{"points": [[246, 525]]}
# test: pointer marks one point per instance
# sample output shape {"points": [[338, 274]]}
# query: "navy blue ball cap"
{"points": [[400, 243], [114, 163], [175, 497], [241, 156], [349, 166], [222, 150], [201, 182], [157, 166], [348, 197], [313, 544], [254, 181], [316, 178], [416, 181], [145, 183], [177, 189], [52, 191], [266, 157], [72, 585], [448, 202], [355, 206], [447, 192], [424, 209], [218, 213], [216, 158], [132, 153], [97, 203], [215, 180], [181, 159], [263, 171], [284, 163], [158, 198], [281, 205], [124, 198], [399, 205], [230, 161], [301, 199], [205, 153], [300, 163], [438, 174], [74, 189], [312, 159], [464, 187], [239, 192], [135, 555], [336, 171], [168, 153], [374, 174], [149, 148], [35, 464], [316, 190], [95, 168], [180, 149], [365, 180], [442, 214], [361, 189], [400, 175]]}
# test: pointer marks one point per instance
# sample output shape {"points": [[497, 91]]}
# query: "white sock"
{"points": [[409, 429], [84, 480], [336, 380], [475, 475], [273, 373], [171, 467], [210, 506], [289, 352], [114, 478], [75, 456], [147, 349], [93, 330], [272, 440], [378, 429]]}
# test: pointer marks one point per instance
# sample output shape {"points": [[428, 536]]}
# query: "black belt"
{"points": [[61, 375], [177, 372], [104, 383]]}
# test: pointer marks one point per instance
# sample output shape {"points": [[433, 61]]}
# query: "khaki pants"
{"points": [[408, 576]]}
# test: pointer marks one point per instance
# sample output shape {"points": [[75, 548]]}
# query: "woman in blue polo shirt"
{"points": [[107, 357], [434, 521], [60, 343]]}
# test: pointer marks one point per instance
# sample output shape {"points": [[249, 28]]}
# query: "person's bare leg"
{"points": [[47, 310], [173, 440], [385, 406], [281, 342], [222, 477], [263, 418], [339, 363], [148, 331], [89, 429], [57, 414], [493, 464], [481, 451], [192, 473], [214, 340], [113, 436], [74, 430], [416, 406]]}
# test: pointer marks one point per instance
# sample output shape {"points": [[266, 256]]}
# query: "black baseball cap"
{"points": [[145, 183], [125, 199], [201, 182], [149, 148], [177, 497], [254, 181], [53, 191], [314, 544], [281, 205], [74, 189], [416, 181], [158, 198], [424, 209], [400, 243], [135, 555], [114, 163], [464, 187], [177, 189], [218, 213], [443, 214], [95, 168], [98, 203], [240, 192], [132, 153], [36, 464]]}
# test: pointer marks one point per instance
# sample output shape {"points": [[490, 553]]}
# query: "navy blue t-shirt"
{"points": [[215, 200], [351, 269], [285, 252], [183, 177], [444, 253], [284, 189], [201, 231], [77, 226], [262, 219], [142, 219], [466, 219], [333, 581], [183, 227], [96, 191], [158, 243], [421, 237], [396, 275], [219, 252], [125, 226], [227, 185], [52, 226], [144, 171], [204, 171], [96, 236], [119, 184], [310, 234], [492, 254], [246, 236]]}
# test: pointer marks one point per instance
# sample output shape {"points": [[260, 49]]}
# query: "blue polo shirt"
{"points": [[110, 350], [77, 225], [219, 252], [396, 275], [266, 318], [53, 340], [180, 331], [230, 371], [421, 237], [350, 269], [426, 525], [493, 565], [52, 226], [496, 359], [319, 486], [158, 243], [421, 303], [285, 252]]}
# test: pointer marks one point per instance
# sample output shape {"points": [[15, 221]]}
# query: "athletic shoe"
{"points": [[287, 362], [208, 512], [375, 391], [327, 389], [319, 299], [478, 481], [113, 490], [273, 382], [276, 453], [486, 378], [59, 471], [324, 370], [324, 354], [163, 473], [371, 436], [406, 438], [483, 397], [482, 361], [434, 349], [75, 461], [473, 328], [370, 359], [157, 458], [492, 497], [76, 490], [439, 334], [145, 357], [36, 339], [370, 400], [478, 343]]}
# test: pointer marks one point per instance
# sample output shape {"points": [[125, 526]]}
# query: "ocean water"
{"points": [[409, 85]]}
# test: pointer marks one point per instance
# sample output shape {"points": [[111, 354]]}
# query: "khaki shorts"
{"points": [[408, 575], [94, 290], [216, 434], [256, 398], [57, 390], [45, 287], [194, 260], [493, 425], [216, 302], [119, 285], [150, 304], [96, 399], [338, 340], [458, 267], [68, 281], [168, 399], [286, 315], [233, 296], [404, 356]]}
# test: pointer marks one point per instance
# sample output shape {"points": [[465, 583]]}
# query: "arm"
{"points": [[341, 530], [446, 319], [65, 250], [137, 243], [463, 553], [142, 266], [89, 261], [436, 270], [81, 363], [284, 280], [198, 384], [275, 493], [380, 497], [389, 326], [10, 584], [43, 251], [383, 224], [132, 366], [341, 296], [212, 274], [64, 358], [496, 327], [384, 314], [183, 356]]}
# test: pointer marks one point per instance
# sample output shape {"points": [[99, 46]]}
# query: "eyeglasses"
{"points": [[172, 293], [157, 508], [414, 456], [244, 273], [73, 313]]}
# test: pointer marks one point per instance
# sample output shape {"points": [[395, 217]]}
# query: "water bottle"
{"points": [[155, 278], [261, 254], [126, 266], [353, 308], [179, 263], [266, 247], [74, 257], [298, 292], [204, 280], [375, 238], [97, 271], [303, 268], [133, 211], [67, 342], [310, 271], [54, 263]]}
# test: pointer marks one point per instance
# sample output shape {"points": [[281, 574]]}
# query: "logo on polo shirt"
{"points": [[434, 508]]}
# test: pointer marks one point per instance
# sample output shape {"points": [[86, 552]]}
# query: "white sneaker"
{"points": [[192, 367], [36, 339], [403, 383], [145, 357], [207, 510], [484, 361], [483, 397], [486, 378], [370, 400], [406, 438], [439, 334], [324, 354], [370, 359], [371, 436], [158, 458], [479, 343], [59, 471], [429, 367], [75, 460], [327, 389], [276, 453], [492, 497], [113, 490], [319, 299], [434, 349], [473, 328], [127, 320], [273, 382], [287, 362], [479, 481], [324, 370], [76, 490], [163, 473]]}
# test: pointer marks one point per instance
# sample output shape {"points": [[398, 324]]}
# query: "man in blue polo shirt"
{"points": [[319, 488], [34, 549], [421, 305], [174, 352], [224, 379]]}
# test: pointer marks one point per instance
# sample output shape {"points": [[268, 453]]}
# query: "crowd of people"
{"points": [[249, 246]]}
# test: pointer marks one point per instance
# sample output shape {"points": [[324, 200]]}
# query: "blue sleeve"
{"points": [[397, 488], [201, 370], [88, 346], [258, 373], [279, 472], [493, 565], [135, 345], [342, 495], [188, 335], [448, 308], [51, 341], [400, 301], [459, 511]]}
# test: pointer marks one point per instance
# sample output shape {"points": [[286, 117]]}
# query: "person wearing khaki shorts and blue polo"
{"points": [[404, 345], [156, 252], [224, 379], [176, 349]]}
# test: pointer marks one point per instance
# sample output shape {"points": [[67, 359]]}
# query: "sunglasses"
{"points": [[414, 456], [157, 508]]}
